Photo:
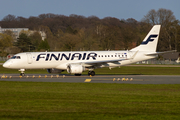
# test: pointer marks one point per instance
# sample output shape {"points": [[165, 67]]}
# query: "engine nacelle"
{"points": [[75, 69], [54, 71]]}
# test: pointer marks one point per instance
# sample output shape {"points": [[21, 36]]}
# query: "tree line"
{"points": [[79, 33]]}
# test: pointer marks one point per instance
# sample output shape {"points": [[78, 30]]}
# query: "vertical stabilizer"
{"points": [[150, 41]]}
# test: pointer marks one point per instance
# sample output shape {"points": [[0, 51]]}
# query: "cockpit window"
{"points": [[16, 57]]}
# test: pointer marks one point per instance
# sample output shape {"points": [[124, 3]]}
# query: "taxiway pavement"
{"points": [[129, 79]]}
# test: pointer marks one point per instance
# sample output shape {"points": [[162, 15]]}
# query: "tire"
{"points": [[77, 74], [92, 73], [22, 74], [89, 73]]}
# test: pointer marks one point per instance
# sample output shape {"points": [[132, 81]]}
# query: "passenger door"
{"points": [[29, 58]]}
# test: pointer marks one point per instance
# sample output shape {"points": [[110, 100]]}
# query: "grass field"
{"points": [[29, 100], [71, 101]]}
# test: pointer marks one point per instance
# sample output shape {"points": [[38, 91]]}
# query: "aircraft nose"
{"points": [[7, 64]]}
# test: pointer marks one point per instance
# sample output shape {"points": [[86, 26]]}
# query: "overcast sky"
{"points": [[121, 9]]}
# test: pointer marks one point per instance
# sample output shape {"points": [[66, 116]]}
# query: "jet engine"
{"points": [[54, 71], [75, 69]]}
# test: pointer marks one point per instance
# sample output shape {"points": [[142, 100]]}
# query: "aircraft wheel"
{"points": [[89, 73], [77, 74], [22, 74], [92, 73]]}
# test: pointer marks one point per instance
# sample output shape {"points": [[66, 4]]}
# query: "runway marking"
{"points": [[102, 79], [118, 79], [87, 80], [108, 78]]}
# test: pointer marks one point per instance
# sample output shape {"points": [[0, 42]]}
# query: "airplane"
{"points": [[78, 61]]}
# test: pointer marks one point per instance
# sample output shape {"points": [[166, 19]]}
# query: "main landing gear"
{"points": [[91, 73]]}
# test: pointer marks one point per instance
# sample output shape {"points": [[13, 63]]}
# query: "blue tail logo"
{"points": [[150, 39]]}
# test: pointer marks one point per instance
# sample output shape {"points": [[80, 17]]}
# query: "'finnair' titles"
{"points": [[69, 56]]}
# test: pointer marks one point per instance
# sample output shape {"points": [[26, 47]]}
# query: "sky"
{"points": [[121, 9]]}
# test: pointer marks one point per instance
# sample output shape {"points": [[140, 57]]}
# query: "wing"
{"points": [[104, 62], [99, 63]]}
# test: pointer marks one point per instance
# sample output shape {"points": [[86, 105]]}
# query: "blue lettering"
{"points": [[64, 55], [84, 56], [93, 55], [39, 56], [47, 57], [78, 55], [56, 58]]}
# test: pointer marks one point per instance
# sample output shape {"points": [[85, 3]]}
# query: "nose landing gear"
{"points": [[22, 72]]}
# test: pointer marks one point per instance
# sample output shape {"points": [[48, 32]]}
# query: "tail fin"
{"points": [[150, 41]]}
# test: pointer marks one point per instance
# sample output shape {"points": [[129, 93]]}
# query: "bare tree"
{"points": [[76, 32], [9, 18], [166, 19]]}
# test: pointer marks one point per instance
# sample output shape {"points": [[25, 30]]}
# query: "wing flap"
{"points": [[99, 63]]}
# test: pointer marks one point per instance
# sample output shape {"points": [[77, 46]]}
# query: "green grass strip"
{"points": [[125, 70], [34, 100]]}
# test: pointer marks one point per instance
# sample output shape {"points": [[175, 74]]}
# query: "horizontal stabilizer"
{"points": [[157, 53]]}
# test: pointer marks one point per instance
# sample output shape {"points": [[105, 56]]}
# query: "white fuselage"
{"points": [[60, 60], [78, 61]]}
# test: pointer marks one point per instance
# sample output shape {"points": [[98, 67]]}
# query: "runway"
{"points": [[127, 79]]}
